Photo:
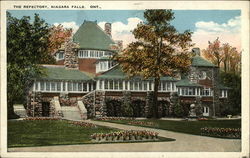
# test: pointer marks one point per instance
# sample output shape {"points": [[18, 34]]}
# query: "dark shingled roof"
{"points": [[187, 83], [91, 36], [55, 72], [117, 73], [198, 61]]}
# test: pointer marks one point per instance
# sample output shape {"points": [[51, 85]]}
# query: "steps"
{"points": [[20, 110], [71, 113]]}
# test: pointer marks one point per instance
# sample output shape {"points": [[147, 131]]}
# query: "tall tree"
{"points": [[159, 50], [57, 36], [213, 52], [27, 46], [224, 56]]}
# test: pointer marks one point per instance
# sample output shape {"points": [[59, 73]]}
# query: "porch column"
{"points": [[97, 84], [39, 89], [123, 84], [66, 86], [171, 87]]}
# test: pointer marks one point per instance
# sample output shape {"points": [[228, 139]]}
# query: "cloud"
{"points": [[121, 31], [228, 32], [71, 24]]}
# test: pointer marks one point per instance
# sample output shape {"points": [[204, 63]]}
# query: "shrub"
{"points": [[221, 132]]}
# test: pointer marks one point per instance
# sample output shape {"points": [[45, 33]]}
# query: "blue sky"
{"points": [[220, 22]]}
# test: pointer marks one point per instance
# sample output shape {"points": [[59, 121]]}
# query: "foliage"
{"points": [[224, 56], [127, 110], [222, 132], [232, 80], [159, 50], [178, 109], [57, 36], [83, 124], [27, 46], [41, 118]]}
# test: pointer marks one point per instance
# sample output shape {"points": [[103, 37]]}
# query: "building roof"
{"points": [[221, 86], [56, 72], [186, 83], [91, 36], [117, 73], [198, 61]]}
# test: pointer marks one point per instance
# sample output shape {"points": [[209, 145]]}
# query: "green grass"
{"points": [[190, 127], [51, 132]]}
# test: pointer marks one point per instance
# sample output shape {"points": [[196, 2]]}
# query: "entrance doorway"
{"points": [[205, 111], [45, 109]]}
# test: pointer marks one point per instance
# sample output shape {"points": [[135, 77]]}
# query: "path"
{"points": [[183, 143]]}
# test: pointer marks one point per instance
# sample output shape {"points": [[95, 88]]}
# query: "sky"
{"points": [[206, 25]]}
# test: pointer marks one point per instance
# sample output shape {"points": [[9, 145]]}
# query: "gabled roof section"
{"points": [[91, 36], [186, 83], [198, 61], [56, 72], [117, 73]]}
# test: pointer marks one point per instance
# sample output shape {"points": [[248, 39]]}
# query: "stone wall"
{"points": [[34, 104]]}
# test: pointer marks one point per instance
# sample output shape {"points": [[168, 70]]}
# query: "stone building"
{"points": [[88, 83]]}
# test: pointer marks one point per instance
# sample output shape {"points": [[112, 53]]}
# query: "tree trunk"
{"points": [[10, 111], [155, 98]]}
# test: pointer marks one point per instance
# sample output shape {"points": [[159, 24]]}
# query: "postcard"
{"points": [[124, 78]]}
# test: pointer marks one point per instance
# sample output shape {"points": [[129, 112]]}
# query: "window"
{"points": [[140, 86], [79, 86], [150, 85], [100, 84], [126, 85], [42, 86], [60, 55], [206, 92], [53, 86], [145, 86], [168, 86], [84, 86], [91, 53], [36, 86], [111, 85], [74, 86], [90, 87], [47, 86], [106, 84], [164, 86], [131, 85], [136, 85], [116, 85], [69, 86], [58, 86], [64, 86], [120, 85], [191, 91]]}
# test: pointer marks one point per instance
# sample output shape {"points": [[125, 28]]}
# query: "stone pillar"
{"points": [[149, 104], [70, 55]]}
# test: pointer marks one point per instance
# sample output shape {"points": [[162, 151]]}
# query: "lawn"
{"points": [[190, 127], [51, 132]]}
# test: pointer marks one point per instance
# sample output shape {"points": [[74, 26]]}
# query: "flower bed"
{"points": [[83, 124], [42, 118], [221, 132], [202, 119], [129, 135], [114, 118], [142, 123]]}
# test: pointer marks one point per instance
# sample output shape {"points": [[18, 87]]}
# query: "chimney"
{"points": [[107, 28], [70, 55], [196, 51]]}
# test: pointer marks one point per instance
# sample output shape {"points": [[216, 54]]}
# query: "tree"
{"points": [[27, 46], [58, 36], [233, 81], [224, 56], [159, 50], [214, 52]]}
